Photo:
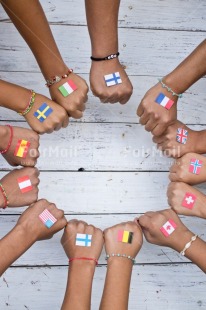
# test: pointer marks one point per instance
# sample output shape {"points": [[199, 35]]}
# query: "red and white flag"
{"points": [[24, 184], [189, 201], [168, 228]]}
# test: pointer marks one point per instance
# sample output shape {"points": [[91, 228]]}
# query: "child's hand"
{"points": [[167, 142], [34, 228], [21, 186], [117, 93], [55, 119], [74, 104], [156, 118], [179, 171], [68, 240], [112, 245], [19, 133]]}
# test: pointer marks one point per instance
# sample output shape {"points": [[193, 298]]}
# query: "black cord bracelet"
{"points": [[109, 57]]}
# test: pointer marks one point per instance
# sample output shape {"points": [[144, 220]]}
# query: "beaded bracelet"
{"points": [[30, 104], [188, 245], [6, 200], [109, 57], [169, 89], [54, 79], [10, 140], [83, 258], [120, 255]]}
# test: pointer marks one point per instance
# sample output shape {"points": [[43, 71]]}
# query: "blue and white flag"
{"points": [[113, 79], [83, 240]]}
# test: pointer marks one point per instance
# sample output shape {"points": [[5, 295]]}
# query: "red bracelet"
{"points": [[84, 258], [10, 140]]}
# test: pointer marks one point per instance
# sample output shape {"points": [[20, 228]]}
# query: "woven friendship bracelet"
{"points": [[120, 255], [169, 89], [30, 104], [10, 140], [109, 57], [188, 245], [6, 200], [55, 79], [83, 258]]}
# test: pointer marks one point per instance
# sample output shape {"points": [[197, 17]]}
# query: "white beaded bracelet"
{"points": [[188, 245]]}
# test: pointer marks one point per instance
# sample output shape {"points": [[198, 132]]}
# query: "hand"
{"points": [[156, 118], [33, 226], [179, 171], [15, 196], [21, 134], [117, 93], [74, 104], [112, 245], [57, 119], [68, 240], [169, 145]]}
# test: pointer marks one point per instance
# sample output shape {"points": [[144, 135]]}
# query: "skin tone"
{"points": [[19, 134], [176, 192], [151, 222], [37, 34], [156, 118], [27, 231], [179, 171], [100, 16], [15, 196]]}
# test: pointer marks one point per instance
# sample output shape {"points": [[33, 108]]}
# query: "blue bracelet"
{"points": [[169, 89]]}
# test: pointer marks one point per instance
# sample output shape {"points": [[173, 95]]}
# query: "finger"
{"points": [[144, 221], [174, 167], [159, 130], [159, 139], [140, 110], [124, 99], [76, 114], [150, 125], [173, 177], [58, 127], [65, 122], [144, 119]]}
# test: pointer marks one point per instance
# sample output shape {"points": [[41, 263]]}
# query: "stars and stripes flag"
{"points": [[182, 135], [168, 228], [113, 79], [24, 184], [83, 240], [195, 166], [164, 101], [22, 148], [189, 200], [67, 88], [125, 236], [43, 112], [47, 218]]}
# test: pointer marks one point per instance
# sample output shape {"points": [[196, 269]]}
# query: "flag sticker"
{"points": [[195, 166], [164, 101], [113, 79], [43, 112], [125, 236], [182, 135], [189, 201], [168, 228], [22, 148], [24, 184], [83, 240], [47, 218], [67, 88]]}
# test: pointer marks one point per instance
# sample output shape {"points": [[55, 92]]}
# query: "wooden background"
{"points": [[124, 173]]}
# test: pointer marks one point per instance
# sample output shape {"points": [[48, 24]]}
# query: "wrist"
{"points": [[4, 137], [200, 142], [84, 266], [27, 235], [180, 243], [174, 83]]}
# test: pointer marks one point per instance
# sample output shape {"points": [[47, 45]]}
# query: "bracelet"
{"points": [[188, 245], [120, 255], [109, 57], [83, 258], [10, 140], [6, 200], [169, 89], [54, 79], [30, 104]]}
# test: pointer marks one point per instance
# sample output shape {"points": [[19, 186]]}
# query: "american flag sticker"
{"points": [[22, 148], [67, 88], [168, 228], [164, 101], [83, 240], [195, 166], [189, 201], [47, 218], [113, 79], [125, 236], [24, 184], [182, 135]]}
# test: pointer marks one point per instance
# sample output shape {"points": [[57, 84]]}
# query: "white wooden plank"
{"points": [[160, 14], [146, 52], [50, 252], [191, 109], [152, 287]]}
